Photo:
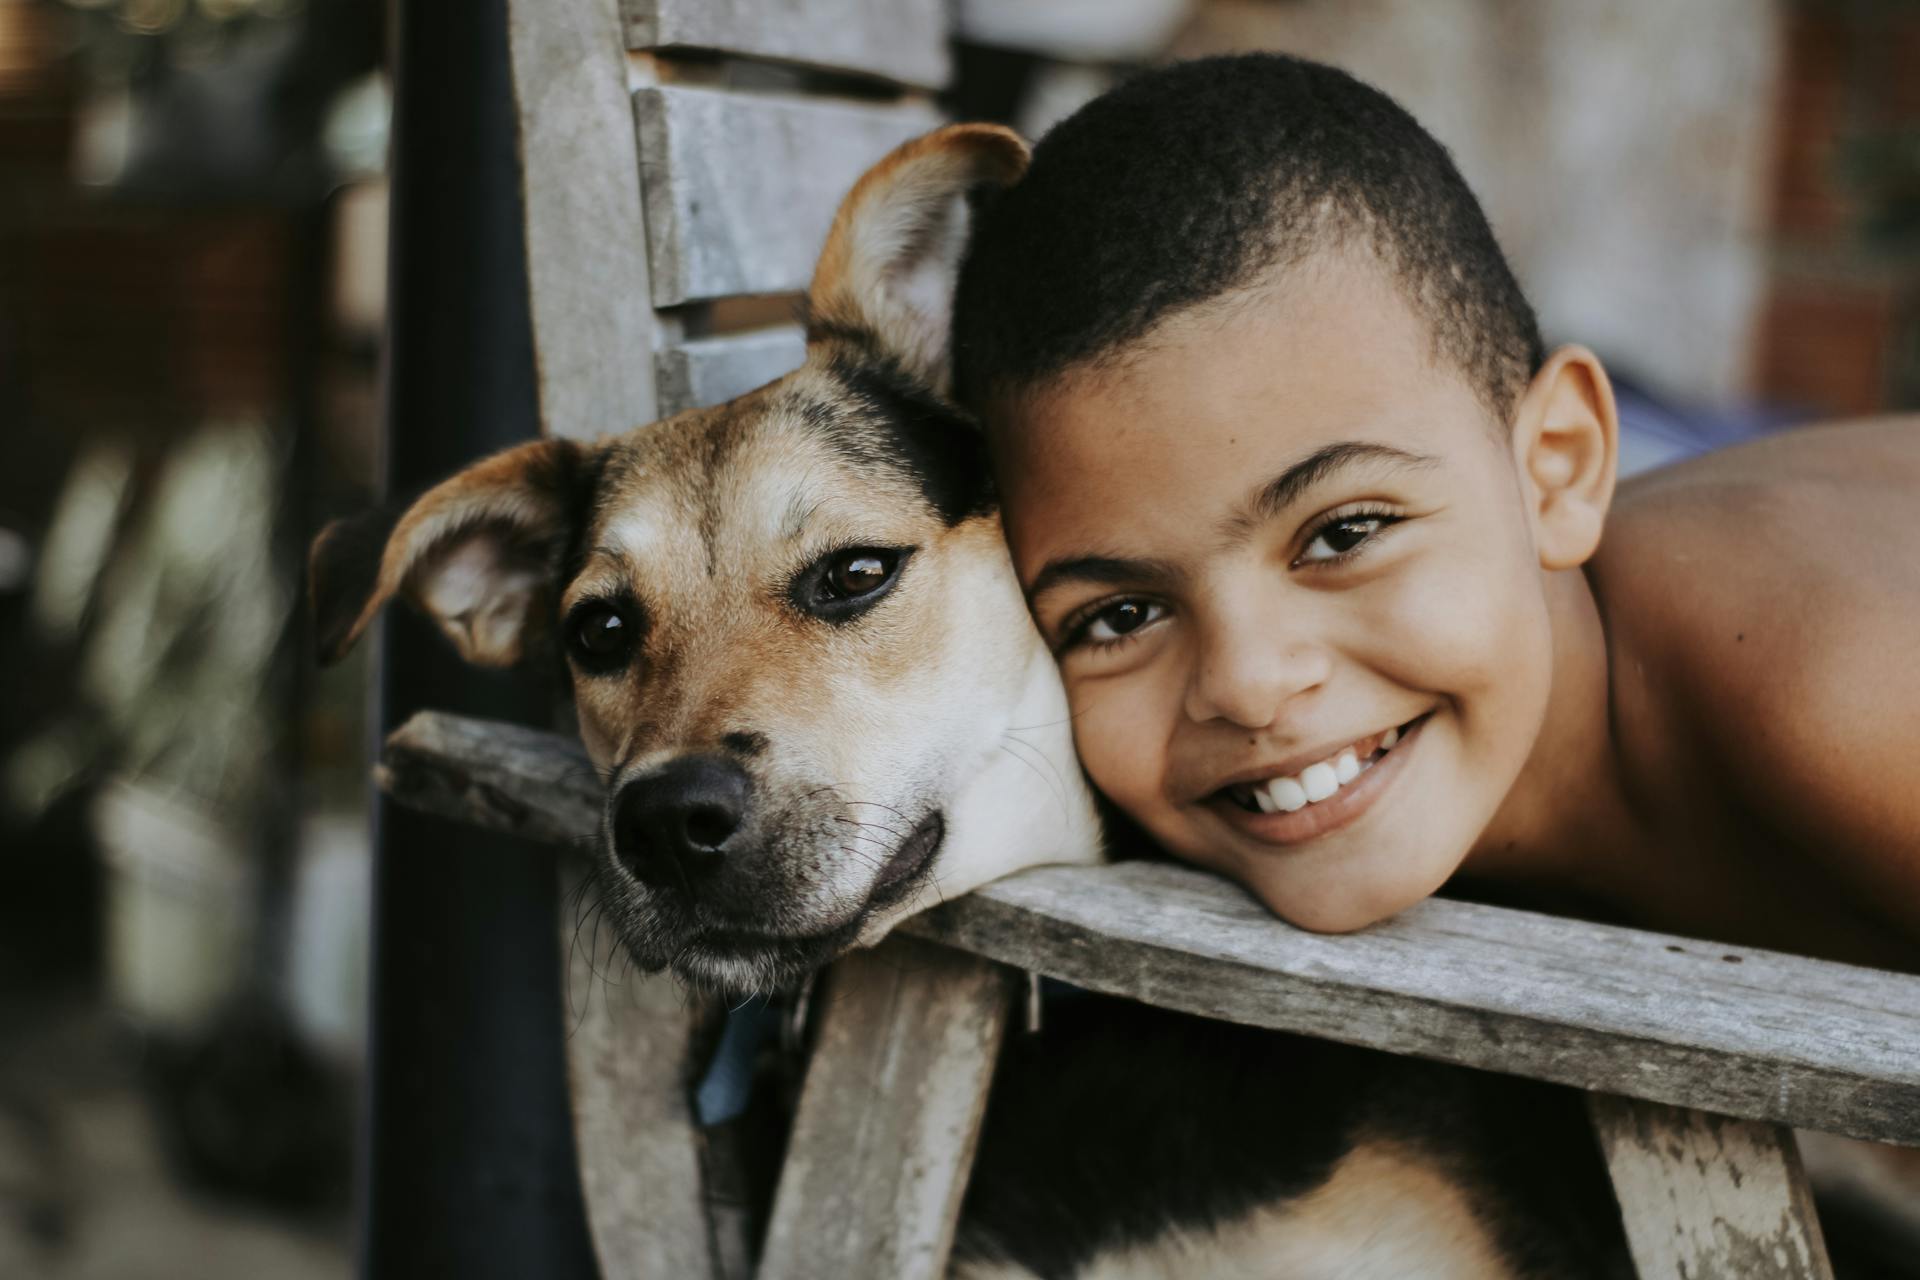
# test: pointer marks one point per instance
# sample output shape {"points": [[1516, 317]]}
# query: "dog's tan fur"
{"points": [[1385, 1210]]}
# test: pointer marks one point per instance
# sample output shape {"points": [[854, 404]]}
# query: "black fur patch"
{"points": [[579, 481], [902, 424], [1119, 1122], [745, 742]]}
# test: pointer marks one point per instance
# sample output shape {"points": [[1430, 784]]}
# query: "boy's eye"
{"points": [[1340, 537], [1120, 619]]}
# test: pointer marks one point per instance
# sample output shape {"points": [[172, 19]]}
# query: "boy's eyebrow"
{"points": [[1097, 569], [1281, 492]]}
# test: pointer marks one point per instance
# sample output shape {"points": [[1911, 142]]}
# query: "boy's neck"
{"points": [[1568, 831]]}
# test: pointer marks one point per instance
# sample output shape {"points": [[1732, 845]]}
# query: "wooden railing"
{"points": [[1660, 1028]]}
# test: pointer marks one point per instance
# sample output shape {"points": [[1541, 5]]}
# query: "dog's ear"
{"points": [[480, 554], [886, 276]]}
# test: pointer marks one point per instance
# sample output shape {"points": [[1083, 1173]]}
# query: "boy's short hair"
{"points": [[1192, 182]]}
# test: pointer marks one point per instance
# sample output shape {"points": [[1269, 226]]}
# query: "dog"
{"points": [[802, 663]]}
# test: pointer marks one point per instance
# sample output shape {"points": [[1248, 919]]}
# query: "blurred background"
{"points": [[1721, 197]]}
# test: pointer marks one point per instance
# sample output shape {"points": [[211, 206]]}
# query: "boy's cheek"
{"points": [[1119, 745]]}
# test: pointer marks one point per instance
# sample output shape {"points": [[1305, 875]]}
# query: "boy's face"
{"points": [[1278, 532]]}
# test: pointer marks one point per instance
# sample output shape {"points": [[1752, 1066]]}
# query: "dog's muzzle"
{"points": [[742, 884]]}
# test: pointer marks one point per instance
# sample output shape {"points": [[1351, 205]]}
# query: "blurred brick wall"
{"points": [[117, 317], [148, 318], [1840, 333]]}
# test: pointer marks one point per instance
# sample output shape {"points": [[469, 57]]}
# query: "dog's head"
{"points": [[795, 641]]}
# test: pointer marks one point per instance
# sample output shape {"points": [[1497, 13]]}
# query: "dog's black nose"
{"points": [[672, 826]]}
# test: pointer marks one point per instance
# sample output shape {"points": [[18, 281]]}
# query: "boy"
{"points": [[1313, 523]]}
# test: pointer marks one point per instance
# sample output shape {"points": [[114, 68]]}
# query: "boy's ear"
{"points": [[1566, 439], [887, 273], [480, 554]]}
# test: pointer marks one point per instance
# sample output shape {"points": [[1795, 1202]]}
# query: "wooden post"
{"points": [[1705, 1195], [588, 287], [889, 1116], [628, 1041]]}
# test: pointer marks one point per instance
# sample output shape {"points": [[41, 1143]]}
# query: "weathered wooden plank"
{"points": [[629, 1036], [900, 40], [506, 777], [1706, 1196], [1771, 1037], [740, 188], [890, 1115], [586, 246], [704, 371]]}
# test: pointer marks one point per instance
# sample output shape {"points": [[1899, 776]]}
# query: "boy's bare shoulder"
{"points": [[1772, 593], [1799, 546]]}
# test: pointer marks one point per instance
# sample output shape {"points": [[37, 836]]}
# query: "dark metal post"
{"points": [[468, 1165]]}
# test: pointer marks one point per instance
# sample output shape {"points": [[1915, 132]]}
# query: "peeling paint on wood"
{"points": [[1708, 1197]]}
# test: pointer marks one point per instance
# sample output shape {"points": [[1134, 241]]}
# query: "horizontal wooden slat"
{"points": [[1773, 1037], [704, 371], [1747, 1033], [505, 777], [900, 40], [740, 188]]}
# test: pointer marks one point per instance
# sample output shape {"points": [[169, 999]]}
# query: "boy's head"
{"points": [[1284, 468]]}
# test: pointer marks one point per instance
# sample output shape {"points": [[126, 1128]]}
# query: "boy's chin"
{"points": [[1343, 897]]}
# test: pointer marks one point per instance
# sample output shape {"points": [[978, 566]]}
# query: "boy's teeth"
{"points": [[1320, 781], [1288, 795], [1316, 782], [1346, 766]]}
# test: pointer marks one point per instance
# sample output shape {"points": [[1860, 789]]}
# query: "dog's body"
{"points": [[801, 660]]}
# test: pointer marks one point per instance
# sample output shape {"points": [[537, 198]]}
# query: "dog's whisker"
{"points": [[1051, 786]]}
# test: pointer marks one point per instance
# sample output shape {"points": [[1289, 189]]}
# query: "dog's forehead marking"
{"points": [[882, 421], [754, 470]]}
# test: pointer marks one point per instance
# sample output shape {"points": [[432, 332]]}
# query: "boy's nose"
{"points": [[1246, 675]]}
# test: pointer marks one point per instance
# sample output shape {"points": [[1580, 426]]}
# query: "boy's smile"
{"points": [[1289, 566]]}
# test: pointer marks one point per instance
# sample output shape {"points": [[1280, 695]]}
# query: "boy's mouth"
{"points": [[1320, 781]]}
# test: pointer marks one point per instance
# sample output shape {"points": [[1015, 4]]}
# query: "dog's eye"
{"points": [[845, 584], [601, 635], [855, 573]]}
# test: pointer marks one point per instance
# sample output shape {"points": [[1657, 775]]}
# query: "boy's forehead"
{"points": [[1176, 429]]}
